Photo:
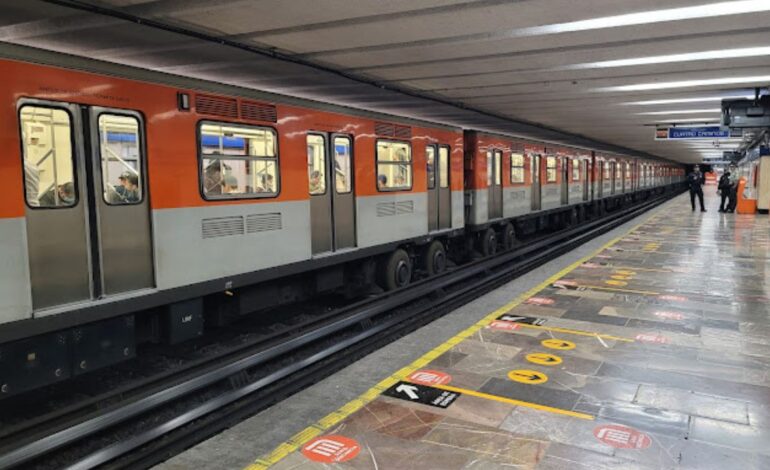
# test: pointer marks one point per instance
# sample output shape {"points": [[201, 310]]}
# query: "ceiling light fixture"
{"points": [[674, 58], [689, 83], [700, 99], [707, 10], [680, 111], [692, 120]]}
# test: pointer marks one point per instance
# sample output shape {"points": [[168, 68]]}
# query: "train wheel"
{"points": [[509, 237], [488, 243], [396, 272], [435, 258]]}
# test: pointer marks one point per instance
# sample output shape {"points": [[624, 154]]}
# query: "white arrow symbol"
{"points": [[409, 390]]}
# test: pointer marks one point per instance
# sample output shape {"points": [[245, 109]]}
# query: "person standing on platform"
{"points": [[696, 180], [723, 188], [733, 191]]}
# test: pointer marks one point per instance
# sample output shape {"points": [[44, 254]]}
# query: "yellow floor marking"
{"points": [[543, 359], [570, 331], [555, 343], [335, 417], [511, 401], [527, 376]]}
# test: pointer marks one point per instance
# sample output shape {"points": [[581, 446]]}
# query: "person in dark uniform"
{"points": [[724, 189], [695, 180]]}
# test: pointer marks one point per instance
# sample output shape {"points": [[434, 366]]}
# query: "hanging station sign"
{"points": [[685, 133]]}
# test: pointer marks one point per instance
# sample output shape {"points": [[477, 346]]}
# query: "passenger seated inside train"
{"points": [[382, 182], [230, 185], [212, 182], [127, 192], [315, 184], [65, 192]]}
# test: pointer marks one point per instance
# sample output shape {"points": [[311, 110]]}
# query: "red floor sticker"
{"points": [[651, 338], [622, 437], [331, 449], [540, 301], [429, 377], [504, 325], [669, 315]]}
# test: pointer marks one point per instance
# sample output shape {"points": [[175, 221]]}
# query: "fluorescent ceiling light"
{"points": [[681, 111], [692, 120], [707, 10], [688, 83], [674, 58], [700, 99]]}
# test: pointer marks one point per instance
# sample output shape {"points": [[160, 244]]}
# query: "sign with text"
{"points": [[684, 133]]}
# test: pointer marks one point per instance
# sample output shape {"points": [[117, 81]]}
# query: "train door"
{"points": [[495, 181], [613, 177], [332, 201], [586, 178], [565, 167], [536, 189], [600, 171], [439, 192], [87, 237]]}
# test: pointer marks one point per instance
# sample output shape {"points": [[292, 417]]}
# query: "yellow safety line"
{"points": [[576, 332], [302, 437], [512, 401]]}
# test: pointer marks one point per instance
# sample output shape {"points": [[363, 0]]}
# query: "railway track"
{"points": [[146, 423]]}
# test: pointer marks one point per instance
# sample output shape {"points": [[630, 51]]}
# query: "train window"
{"points": [[498, 167], [607, 174], [237, 161], [618, 172], [550, 169], [119, 150], [575, 170], [430, 154], [490, 166], [343, 167], [443, 163], [316, 164], [627, 169], [394, 165], [517, 168], [49, 170]]}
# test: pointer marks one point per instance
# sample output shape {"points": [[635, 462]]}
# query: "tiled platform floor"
{"points": [[652, 353]]}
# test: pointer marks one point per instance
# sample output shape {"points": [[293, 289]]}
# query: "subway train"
{"points": [[145, 207]]}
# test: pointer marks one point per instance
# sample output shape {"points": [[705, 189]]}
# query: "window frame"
{"points": [[448, 166], [325, 164], [435, 164], [333, 139], [198, 141], [142, 156], [522, 167], [73, 152], [576, 168], [555, 170], [377, 165]]}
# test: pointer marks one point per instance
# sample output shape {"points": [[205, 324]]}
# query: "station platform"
{"points": [[646, 348]]}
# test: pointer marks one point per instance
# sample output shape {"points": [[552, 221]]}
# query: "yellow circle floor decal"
{"points": [[558, 344], [543, 359], [527, 376]]}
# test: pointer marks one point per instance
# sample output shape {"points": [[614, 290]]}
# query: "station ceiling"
{"points": [[574, 72]]}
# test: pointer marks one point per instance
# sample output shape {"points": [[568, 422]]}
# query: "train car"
{"points": [[127, 192], [517, 187]]}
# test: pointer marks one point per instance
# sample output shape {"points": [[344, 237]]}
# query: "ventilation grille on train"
{"points": [[230, 226], [387, 209], [392, 130], [216, 106], [258, 111], [263, 222], [222, 227]]}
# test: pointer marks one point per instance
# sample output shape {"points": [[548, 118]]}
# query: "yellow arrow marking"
{"points": [[554, 343], [543, 359], [527, 376]]}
